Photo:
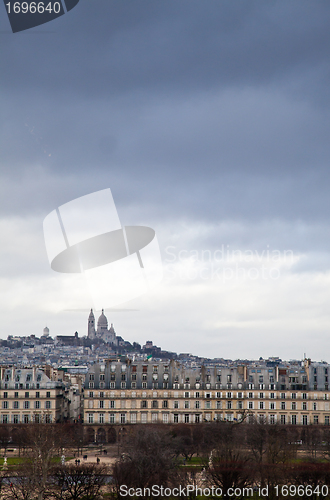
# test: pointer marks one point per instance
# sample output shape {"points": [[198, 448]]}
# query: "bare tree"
{"points": [[229, 464], [5, 436], [71, 482], [147, 459]]}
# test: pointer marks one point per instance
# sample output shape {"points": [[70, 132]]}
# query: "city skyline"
{"points": [[209, 123]]}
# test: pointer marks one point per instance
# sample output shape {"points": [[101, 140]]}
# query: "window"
{"points": [[219, 405], [112, 404], [123, 418], [326, 420], [293, 419], [48, 405], [272, 406], [176, 404], [5, 405], [176, 418], [197, 395], [282, 395], [16, 395], [16, 405], [282, 405], [197, 404], [37, 405], [208, 405], [48, 394], [144, 404], [293, 395], [186, 418], [165, 418], [250, 395], [101, 404], [133, 418], [26, 419], [314, 406], [27, 394], [91, 418], [15, 419], [261, 405], [26, 405], [293, 406], [304, 420], [316, 419], [111, 418], [261, 395], [250, 405], [304, 406], [144, 418], [304, 396], [101, 418], [283, 419], [186, 404], [229, 405], [154, 404], [91, 376], [37, 395], [272, 419]]}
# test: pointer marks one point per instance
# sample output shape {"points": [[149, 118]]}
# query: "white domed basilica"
{"points": [[102, 332]]}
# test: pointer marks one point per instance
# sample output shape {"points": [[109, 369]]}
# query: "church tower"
{"points": [[102, 325], [91, 325]]}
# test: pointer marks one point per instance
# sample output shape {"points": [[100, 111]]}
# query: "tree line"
{"points": [[234, 457], [238, 458]]}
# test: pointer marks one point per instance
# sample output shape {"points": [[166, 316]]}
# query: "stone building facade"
{"points": [[29, 395], [120, 392]]}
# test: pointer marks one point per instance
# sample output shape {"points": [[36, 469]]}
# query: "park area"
{"points": [[214, 460]]}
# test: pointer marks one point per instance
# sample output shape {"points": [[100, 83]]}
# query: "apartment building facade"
{"points": [[120, 392], [28, 395]]}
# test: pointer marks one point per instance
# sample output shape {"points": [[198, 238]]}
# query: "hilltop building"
{"points": [[102, 331]]}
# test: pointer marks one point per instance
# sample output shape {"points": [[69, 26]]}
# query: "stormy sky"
{"points": [[209, 121]]}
